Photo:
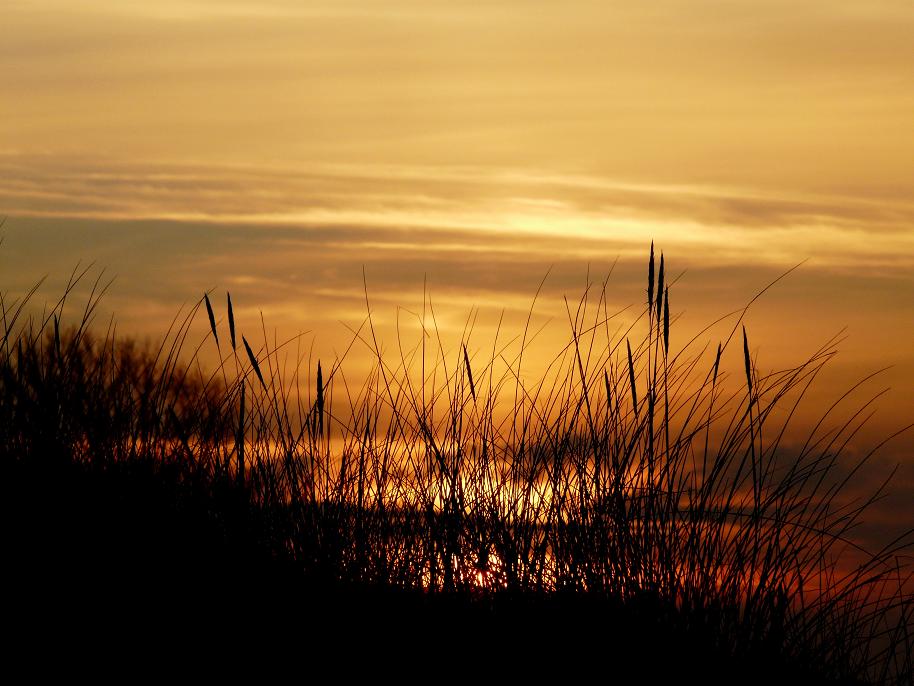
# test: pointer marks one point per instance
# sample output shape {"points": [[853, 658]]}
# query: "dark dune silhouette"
{"points": [[613, 531]]}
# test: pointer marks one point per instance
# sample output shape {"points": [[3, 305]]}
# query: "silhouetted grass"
{"points": [[631, 489]]}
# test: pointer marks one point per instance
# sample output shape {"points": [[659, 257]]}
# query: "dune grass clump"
{"points": [[631, 472]]}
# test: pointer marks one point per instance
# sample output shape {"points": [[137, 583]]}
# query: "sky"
{"points": [[299, 154]]}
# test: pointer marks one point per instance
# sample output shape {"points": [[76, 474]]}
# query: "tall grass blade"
{"points": [[650, 281], [239, 436], [631, 377], [320, 400]]}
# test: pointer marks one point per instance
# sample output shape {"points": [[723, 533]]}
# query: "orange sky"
{"points": [[275, 148]]}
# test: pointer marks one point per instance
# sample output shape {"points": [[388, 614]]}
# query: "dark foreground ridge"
{"points": [[135, 556]]}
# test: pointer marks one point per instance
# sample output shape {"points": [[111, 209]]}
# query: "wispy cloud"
{"points": [[517, 211]]}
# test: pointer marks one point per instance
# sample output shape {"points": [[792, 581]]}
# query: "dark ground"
{"points": [[130, 562]]}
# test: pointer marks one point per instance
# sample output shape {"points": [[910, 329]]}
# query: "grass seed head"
{"points": [[659, 289], [466, 361], [631, 376], [231, 318], [717, 363], [253, 360], [748, 361], [212, 317]]}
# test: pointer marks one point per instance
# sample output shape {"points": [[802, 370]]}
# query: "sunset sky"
{"points": [[276, 148]]}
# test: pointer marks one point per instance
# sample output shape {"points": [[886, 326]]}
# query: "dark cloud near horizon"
{"points": [[169, 262]]}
